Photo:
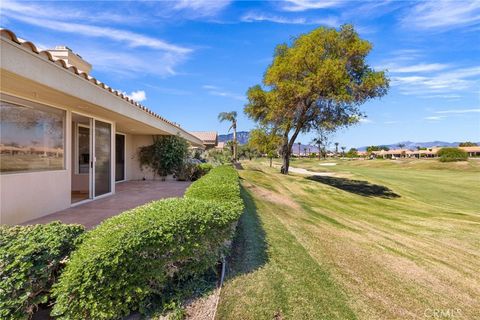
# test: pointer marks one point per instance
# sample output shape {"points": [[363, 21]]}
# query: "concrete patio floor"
{"points": [[129, 194]]}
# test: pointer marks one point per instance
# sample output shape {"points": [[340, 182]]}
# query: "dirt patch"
{"points": [[202, 308], [310, 173], [271, 196]]}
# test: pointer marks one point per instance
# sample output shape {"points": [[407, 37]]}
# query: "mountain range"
{"points": [[242, 138]]}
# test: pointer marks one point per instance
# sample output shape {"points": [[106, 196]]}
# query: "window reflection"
{"points": [[31, 138]]}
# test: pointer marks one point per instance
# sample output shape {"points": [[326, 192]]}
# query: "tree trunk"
{"points": [[287, 149], [285, 163], [234, 143], [319, 151], [271, 162], [285, 154]]}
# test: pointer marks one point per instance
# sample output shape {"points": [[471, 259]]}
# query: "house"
{"points": [[472, 151], [209, 138], [66, 137]]}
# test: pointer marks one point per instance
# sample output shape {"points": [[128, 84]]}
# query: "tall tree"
{"points": [[321, 141], [231, 117], [343, 151], [401, 145], [336, 148], [266, 141], [321, 77], [468, 144]]}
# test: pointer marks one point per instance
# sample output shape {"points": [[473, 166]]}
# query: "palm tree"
{"points": [[299, 146], [401, 145], [231, 117], [336, 148], [343, 151]]}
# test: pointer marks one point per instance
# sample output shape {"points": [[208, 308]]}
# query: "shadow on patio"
{"points": [[128, 195]]}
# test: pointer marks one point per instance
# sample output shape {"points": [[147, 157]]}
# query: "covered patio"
{"points": [[128, 195]]}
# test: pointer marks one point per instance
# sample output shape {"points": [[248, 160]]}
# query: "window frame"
{"points": [[32, 105]]}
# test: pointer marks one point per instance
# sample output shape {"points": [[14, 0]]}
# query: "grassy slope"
{"points": [[337, 254]]}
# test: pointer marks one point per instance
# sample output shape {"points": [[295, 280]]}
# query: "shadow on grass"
{"points": [[362, 188], [249, 247]]}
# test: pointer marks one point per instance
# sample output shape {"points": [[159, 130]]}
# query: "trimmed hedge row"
{"points": [[135, 255], [221, 185], [30, 261]]}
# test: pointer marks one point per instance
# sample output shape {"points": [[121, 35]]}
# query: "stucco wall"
{"points": [[26, 196], [134, 172]]}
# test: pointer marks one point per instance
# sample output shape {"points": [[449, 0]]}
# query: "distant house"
{"points": [[472, 151], [65, 137], [422, 153], [209, 138], [220, 145]]}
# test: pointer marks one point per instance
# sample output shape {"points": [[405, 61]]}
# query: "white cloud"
{"points": [[458, 111], [217, 91], [260, 17], [138, 95], [443, 14], [434, 118], [303, 5], [443, 83], [202, 8], [422, 67], [130, 38], [365, 120], [119, 51], [47, 12]]}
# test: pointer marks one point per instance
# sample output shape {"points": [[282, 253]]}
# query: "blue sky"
{"points": [[190, 60]]}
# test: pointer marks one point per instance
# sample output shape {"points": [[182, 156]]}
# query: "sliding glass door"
{"points": [[103, 158]]}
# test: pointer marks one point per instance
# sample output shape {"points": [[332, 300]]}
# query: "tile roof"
{"points": [[205, 135], [10, 35]]}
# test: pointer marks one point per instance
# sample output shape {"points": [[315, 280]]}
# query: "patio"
{"points": [[129, 194]]}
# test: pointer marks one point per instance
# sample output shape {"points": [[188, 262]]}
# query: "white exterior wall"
{"points": [[133, 168], [29, 195], [26, 196]]}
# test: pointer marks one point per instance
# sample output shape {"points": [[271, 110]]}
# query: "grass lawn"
{"points": [[377, 240]]}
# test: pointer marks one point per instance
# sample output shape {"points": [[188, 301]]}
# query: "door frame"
{"points": [[124, 156], [91, 177]]}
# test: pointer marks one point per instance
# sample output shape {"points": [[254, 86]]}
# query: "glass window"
{"points": [[31, 138], [83, 150]]}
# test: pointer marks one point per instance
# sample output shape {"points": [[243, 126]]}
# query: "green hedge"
{"points": [[133, 256], [221, 184], [452, 154], [30, 261]]}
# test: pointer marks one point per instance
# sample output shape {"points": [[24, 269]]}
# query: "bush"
{"points": [[452, 154], [130, 258], [192, 171], [220, 185], [31, 258], [165, 155], [205, 168]]}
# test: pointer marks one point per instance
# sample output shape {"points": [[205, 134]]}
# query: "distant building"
{"points": [[209, 138], [423, 153]]}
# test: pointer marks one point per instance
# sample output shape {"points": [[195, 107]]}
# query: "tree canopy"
{"points": [[468, 144], [320, 79], [231, 117]]}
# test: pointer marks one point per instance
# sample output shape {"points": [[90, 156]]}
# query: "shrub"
{"points": [[192, 171], [165, 155], [452, 154], [205, 168], [220, 185], [134, 256], [31, 258]]}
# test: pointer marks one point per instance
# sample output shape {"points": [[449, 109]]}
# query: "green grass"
{"points": [[327, 249]]}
